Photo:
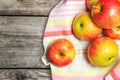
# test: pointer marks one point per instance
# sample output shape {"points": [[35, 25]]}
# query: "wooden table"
{"points": [[22, 24]]}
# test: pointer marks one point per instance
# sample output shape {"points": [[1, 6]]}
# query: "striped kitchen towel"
{"points": [[59, 26], [114, 74]]}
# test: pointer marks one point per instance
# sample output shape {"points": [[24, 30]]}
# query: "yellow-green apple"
{"points": [[61, 52], [102, 51], [113, 33], [90, 3], [106, 13], [84, 28]]}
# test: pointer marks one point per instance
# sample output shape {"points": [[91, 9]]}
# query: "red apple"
{"points": [[84, 28], [61, 52], [90, 3], [106, 13], [103, 51], [113, 33]]}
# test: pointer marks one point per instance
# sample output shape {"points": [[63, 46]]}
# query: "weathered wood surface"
{"points": [[26, 7], [25, 74], [22, 24], [21, 41], [21, 47]]}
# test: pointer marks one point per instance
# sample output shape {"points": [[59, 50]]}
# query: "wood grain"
{"points": [[25, 74], [21, 41], [26, 7], [22, 24]]}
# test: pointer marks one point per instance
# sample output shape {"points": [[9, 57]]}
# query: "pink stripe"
{"points": [[114, 76], [117, 72], [68, 10], [76, 5], [75, 0], [58, 28], [63, 15], [57, 77], [66, 14], [57, 33]]}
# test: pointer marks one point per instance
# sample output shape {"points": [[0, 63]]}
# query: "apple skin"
{"points": [[102, 52], [84, 28], [61, 52], [106, 13], [90, 3], [113, 33]]}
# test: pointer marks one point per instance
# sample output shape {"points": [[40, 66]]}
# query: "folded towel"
{"points": [[59, 26], [114, 74]]}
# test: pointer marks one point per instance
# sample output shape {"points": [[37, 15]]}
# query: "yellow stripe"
{"points": [[59, 22], [80, 73]]}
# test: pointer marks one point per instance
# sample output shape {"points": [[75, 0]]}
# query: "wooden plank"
{"points": [[26, 7], [25, 74], [21, 42]]}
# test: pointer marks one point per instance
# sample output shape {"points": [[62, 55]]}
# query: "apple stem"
{"points": [[98, 8]]}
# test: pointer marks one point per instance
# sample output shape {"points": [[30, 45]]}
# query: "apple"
{"points": [[102, 51], [61, 52], [113, 33], [106, 13], [84, 28], [90, 3]]}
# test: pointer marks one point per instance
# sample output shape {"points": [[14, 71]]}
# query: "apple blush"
{"points": [[61, 52], [106, 13], [84, 28], [113, 33], [102, 51]]}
